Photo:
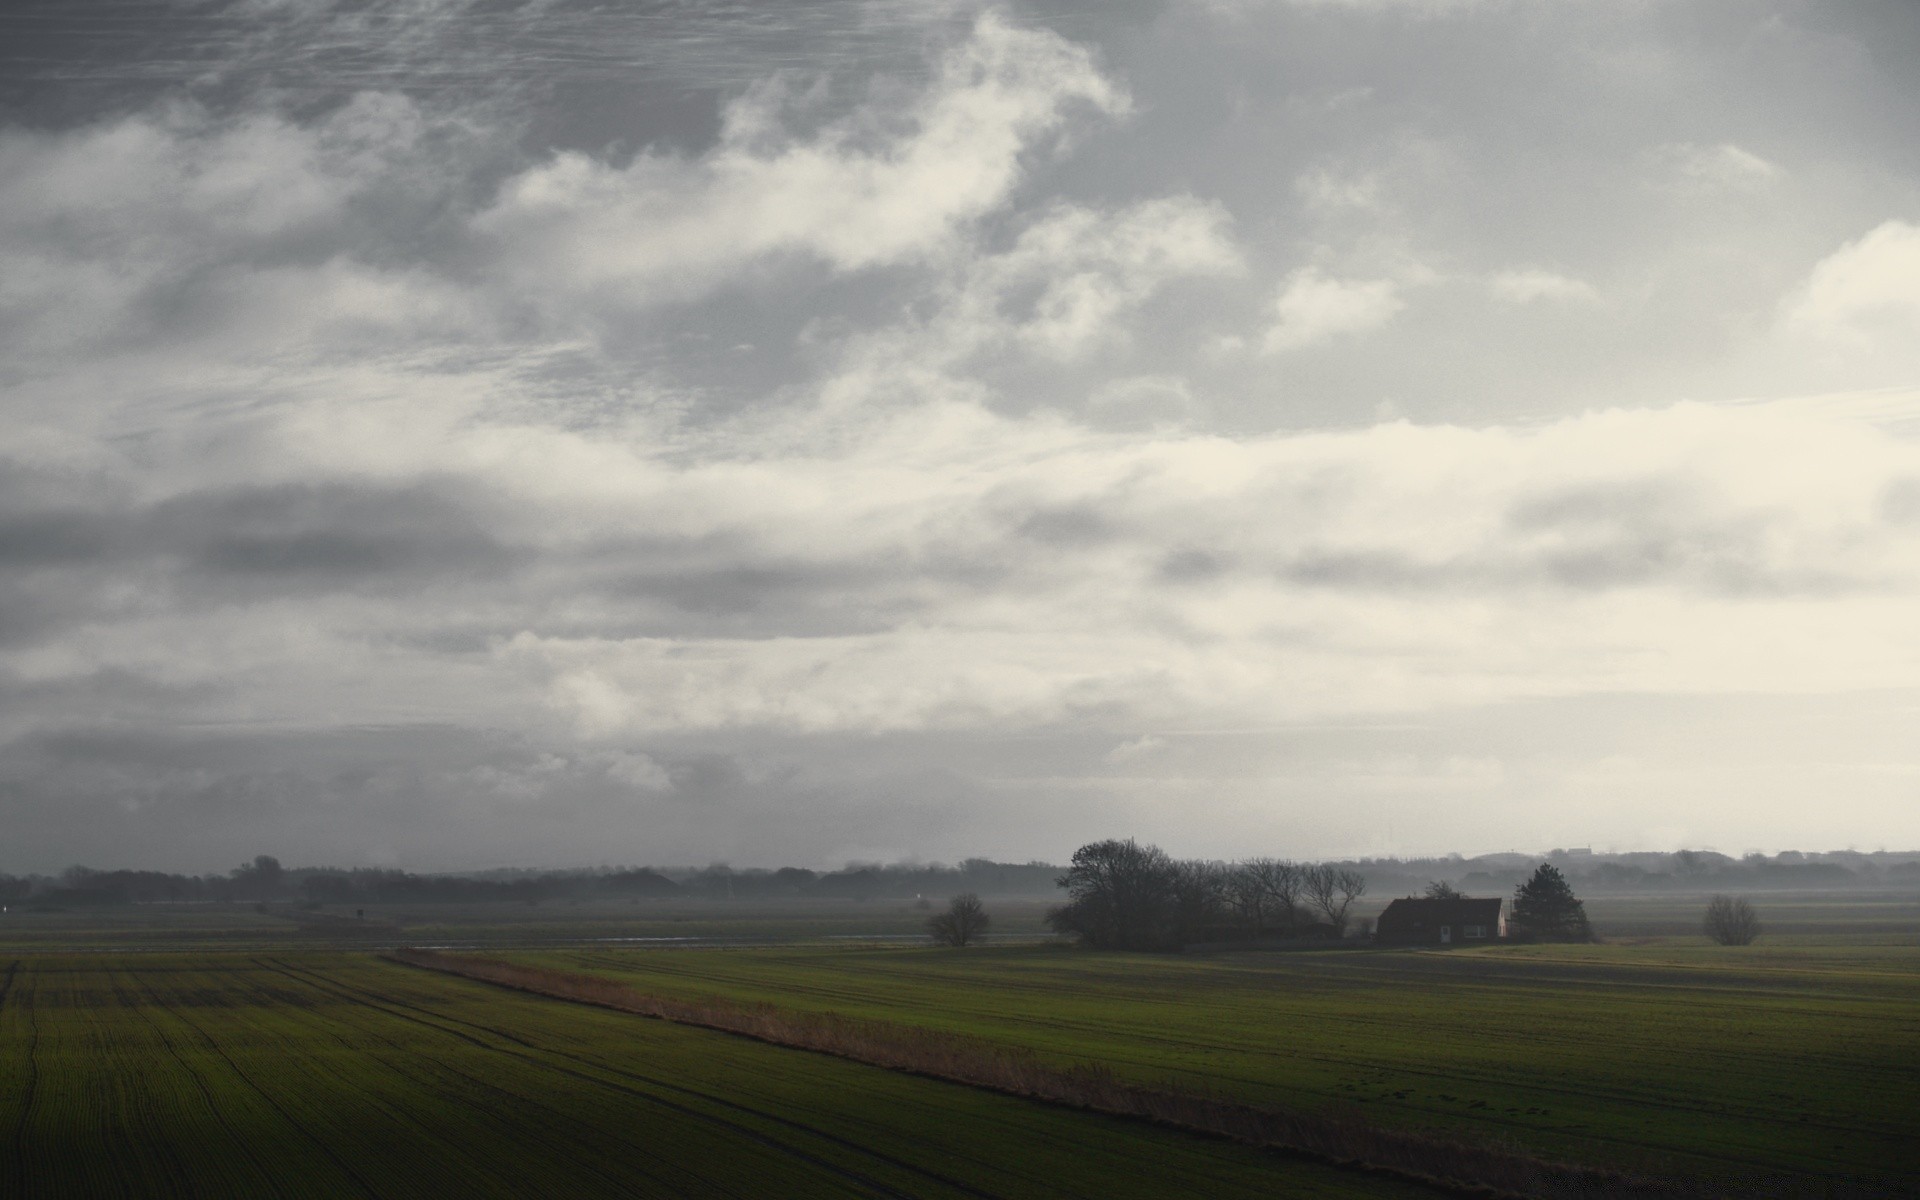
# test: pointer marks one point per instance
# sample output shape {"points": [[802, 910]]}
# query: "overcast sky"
{"points": [[448, 434]]}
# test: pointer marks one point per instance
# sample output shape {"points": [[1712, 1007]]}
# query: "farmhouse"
{"points": [[1415, 922]]}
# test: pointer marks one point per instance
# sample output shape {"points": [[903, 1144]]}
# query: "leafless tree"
{"points": [[1332, 890], [1263, 890], [1440, 889], [964, 922], [1280, 881], [1731, 921]]}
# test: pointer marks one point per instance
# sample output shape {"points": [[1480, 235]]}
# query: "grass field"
{"points": [[644, 922], [1798, 1061], [329, 1074], [222, 1050]]}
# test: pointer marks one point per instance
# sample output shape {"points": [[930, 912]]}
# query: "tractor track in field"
{"points": [[32, 1083], [404, 1010], [261, 1169], [176, 1171], [511, 1100], [293, 1122]]}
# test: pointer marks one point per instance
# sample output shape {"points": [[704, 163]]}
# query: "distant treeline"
{"points": [[266, 880], [1651, 871]]}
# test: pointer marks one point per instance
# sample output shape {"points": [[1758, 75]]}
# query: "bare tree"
{"points": [[1263, 890], [1332, 890], [1283, 881], [1244, 896], [964, 922], [1440, 889], [1731, 921]]}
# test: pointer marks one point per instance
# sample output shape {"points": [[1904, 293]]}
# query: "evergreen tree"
{"points": [[1545, 909]]}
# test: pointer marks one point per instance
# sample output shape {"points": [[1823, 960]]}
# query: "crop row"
{"points": [[329, 1075]]}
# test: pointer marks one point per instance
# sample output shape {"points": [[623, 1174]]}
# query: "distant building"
{"points": [[1415, 922]]}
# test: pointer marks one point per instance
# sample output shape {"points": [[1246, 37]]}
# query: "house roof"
{"points": [[1413, 914]]}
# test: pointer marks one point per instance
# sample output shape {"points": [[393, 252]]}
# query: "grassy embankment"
{"points": [[328, 1075], [1797, 1062]]}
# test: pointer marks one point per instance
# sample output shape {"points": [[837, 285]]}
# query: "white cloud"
{"points": [[1335, 192], [1039, 575], [1721, 168], [1867, 291], [943, 567], [174, 227], [1313, 307], [1528, 285], [874, 188], [1061, 290], [1145, 746]]}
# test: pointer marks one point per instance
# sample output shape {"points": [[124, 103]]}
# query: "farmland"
{"points": [[329, 1074], [241, 1050], [1790, 1062]]}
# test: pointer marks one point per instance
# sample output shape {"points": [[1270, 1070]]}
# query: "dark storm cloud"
{"points": [[313, 533], [325, 533], [35, 539], [82, 56]]}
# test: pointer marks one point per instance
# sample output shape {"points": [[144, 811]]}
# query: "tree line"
{"points": [[1125, 896], [265, 879]]}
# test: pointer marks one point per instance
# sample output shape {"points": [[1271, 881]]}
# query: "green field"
{"points": [[1795, 1061], [644, 922], [210, 1050], [328, 1074]]}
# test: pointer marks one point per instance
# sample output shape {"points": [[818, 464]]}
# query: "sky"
{"points": [[447, 434]]}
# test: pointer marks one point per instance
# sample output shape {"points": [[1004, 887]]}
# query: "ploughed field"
{"points": [[331, 1074], [1799, 1062]]}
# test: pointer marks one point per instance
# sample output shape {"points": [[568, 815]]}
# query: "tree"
{"points": [[1440, 889], [1119, 896], [1731, 921], [260, 879], [1266, 889], [964, 922], [1198, 893], [1332, 890], [1545, 909]]}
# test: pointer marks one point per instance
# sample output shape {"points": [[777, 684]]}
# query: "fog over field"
{"points": [[450, 433]]}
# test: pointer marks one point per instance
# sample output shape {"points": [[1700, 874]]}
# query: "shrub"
{"points": [[965, 921], [1731, 921]]}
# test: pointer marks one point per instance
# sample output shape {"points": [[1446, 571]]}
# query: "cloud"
{"points": [[1722, 168], [1313, 308], [947, 568], [178, 227], [1864, 293], [435, 449], [1420, 9], [869, 190], [1063, 289], [1529, 285]]}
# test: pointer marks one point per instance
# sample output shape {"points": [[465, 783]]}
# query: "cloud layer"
{"points": [[907, 448]]}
